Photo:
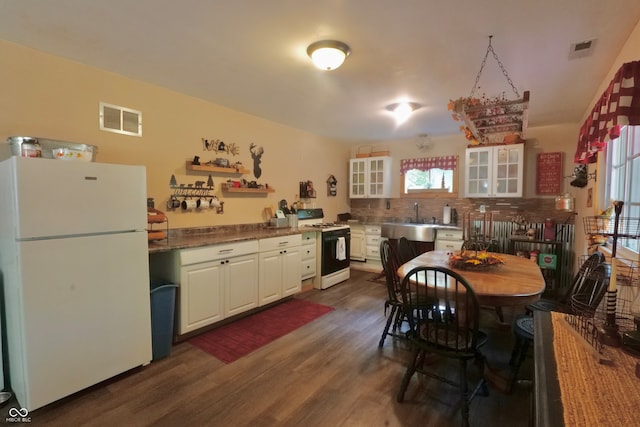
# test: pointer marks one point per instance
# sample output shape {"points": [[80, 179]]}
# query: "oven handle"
{"points": [[332, 236]]}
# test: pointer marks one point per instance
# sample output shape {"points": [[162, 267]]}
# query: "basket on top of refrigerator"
{"points": [[52, 149]]}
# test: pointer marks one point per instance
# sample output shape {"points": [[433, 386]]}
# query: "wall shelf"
{"points": [[216, 169], [225, 187]]}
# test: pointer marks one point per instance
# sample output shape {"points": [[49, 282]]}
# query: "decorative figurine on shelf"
{"points": [[196, 160], [520, 225], [531, 234]]}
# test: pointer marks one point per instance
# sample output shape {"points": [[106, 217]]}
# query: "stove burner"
{"points": [[323, 224]]}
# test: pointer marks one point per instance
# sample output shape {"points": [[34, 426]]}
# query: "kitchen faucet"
{"points": [[415, 208]]}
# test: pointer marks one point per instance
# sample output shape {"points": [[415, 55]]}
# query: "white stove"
{"points": [[333, 247], [329, 226], [313, 218]]}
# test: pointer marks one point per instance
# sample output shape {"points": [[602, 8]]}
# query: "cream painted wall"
{"points": [[50, 97]]}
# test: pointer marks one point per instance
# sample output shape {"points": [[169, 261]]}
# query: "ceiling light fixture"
{"points": [[402, 110], [328, 54]]}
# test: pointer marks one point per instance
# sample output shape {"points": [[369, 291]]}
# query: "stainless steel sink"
{"points": [[413, 232]]}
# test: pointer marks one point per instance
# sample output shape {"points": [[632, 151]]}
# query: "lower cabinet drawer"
{"points": [[373, 240], [448, 234], [308, 252], [448, 245], [308, 268], [373, 252]]}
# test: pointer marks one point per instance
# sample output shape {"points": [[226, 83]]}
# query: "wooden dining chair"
{"points": [[406, 250], [589, 294], [390, 265], [584, 302], [563, 301], [449, 328]]}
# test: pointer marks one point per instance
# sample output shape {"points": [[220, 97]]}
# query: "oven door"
{"points": [[331, 261]]}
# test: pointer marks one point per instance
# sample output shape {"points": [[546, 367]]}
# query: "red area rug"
{"points": [[231, 342]]}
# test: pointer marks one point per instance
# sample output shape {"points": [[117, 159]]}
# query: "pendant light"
{"points": [[328, 54]]}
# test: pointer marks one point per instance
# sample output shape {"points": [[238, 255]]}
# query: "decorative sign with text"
{"points": [[549, 173]]}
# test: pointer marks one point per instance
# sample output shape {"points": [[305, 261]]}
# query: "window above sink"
{"points": [[429, 177]]}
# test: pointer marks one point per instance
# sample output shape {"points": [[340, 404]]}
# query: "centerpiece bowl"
{"points": [[474, 260]]}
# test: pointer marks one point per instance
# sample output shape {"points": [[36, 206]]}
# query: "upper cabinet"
{"points": [[494, 171], [370, 177]]}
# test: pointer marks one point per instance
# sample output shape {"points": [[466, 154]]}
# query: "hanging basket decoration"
{"points": [[492, 120]]}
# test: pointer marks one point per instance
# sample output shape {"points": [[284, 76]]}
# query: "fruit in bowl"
{"points": [[69, 154]]}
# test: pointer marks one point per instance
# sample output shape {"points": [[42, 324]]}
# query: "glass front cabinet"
{"points": [[370, 177], [495, 171]]}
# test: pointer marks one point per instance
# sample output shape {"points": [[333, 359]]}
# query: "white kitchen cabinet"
{"points": [[214, 282], [373, 239], [448, 240], [279, 268], [240, 284], [358, 249], [201, 295], [308, 255], [370, 177], [495, 171]]}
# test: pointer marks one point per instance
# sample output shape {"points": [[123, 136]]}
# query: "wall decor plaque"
{"points": [[549, 173]]}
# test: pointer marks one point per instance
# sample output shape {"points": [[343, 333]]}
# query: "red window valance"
{"points": [[618, 106], [426, 163]]}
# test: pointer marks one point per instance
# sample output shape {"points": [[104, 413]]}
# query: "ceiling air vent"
{"points": [[120, 120], [581, 49]]}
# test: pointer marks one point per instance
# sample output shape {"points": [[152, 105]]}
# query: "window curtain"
{"points": [[618, 106], [426, 163]]}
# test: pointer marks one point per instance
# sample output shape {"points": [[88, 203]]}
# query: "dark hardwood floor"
{"points": [[330, 372]]}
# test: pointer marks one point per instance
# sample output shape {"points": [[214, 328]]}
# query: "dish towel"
{"points": [[341, 249]]}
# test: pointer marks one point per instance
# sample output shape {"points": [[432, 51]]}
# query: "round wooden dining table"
{"points": [[518, 281]]}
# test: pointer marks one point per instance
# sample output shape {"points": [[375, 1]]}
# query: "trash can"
{"points": [[163, 298]]}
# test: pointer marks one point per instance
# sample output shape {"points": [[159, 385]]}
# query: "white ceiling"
{"points": [[250, 55]]}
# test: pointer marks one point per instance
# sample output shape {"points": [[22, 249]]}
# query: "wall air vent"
{"points": [[120, 120], [581, 49]]}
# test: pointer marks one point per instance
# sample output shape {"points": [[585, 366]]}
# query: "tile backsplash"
{"points": [[534, 210]]}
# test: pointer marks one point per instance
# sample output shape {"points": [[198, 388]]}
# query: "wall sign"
{"points": [[549, 173]]}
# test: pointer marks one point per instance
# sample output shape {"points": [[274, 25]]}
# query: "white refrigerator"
{"points": [[75, 274]]}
